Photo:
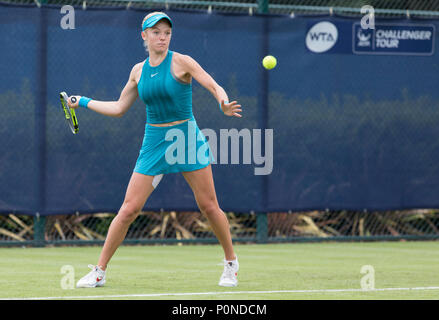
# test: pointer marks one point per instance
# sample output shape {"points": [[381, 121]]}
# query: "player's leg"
{"points": [[139, 189], [202, 185]]}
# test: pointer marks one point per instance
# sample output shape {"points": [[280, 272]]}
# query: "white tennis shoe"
{"points": [[95, 278], [229, 278]]}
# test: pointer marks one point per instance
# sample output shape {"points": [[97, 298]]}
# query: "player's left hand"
{"points": [[231, 109]]}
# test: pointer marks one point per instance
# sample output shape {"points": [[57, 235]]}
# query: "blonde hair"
{"points": [[149, 15]]}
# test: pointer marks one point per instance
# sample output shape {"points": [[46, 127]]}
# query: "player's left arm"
{"points": [[192, 67]]}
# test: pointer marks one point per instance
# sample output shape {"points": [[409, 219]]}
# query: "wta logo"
{"points": [[321, 37]]}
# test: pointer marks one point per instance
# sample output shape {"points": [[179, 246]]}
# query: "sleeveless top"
{"points": [[167, 98]]}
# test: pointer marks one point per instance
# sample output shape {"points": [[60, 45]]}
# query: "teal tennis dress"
{"points": [[177, 148]]}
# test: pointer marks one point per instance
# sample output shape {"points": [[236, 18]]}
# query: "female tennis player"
{"points": [[164, 83]]}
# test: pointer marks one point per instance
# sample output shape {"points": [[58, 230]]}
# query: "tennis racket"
{"points": [[69, 113]]}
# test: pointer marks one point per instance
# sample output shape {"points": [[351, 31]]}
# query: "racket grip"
{"points": [[73, 99]]}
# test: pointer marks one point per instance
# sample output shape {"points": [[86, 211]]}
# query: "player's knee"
{"points": [[209, 208], [128, 213]]}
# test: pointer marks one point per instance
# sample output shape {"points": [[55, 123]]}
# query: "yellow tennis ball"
{"points": [[269, 62]]}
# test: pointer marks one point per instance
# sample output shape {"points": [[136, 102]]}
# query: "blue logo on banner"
{"points": [[402, 39]]}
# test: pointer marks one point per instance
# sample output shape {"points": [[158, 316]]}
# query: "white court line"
{"points": [[152, 295]]}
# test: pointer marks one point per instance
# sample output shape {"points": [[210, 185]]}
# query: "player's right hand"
{"points": [[73, 101]]}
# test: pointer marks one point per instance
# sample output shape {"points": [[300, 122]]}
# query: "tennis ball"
{"points": [[269, 62]]}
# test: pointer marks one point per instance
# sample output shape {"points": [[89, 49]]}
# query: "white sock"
{"points": [[235, 260]]}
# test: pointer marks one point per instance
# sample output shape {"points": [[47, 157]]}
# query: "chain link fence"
{"points": [[383, 8], [193, 227]]}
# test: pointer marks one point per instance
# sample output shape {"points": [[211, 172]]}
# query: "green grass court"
{"points": [[152, 271]]}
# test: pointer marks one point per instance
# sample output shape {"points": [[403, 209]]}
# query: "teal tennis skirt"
{"points": [[178, 148]]}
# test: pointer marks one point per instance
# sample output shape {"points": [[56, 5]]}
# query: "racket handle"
{"points": [[73, 99]]}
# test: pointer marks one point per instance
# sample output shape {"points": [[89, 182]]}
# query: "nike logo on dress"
{"points": [[153, 75]]}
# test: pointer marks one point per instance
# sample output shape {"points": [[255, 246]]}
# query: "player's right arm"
{"points": [[117, 108]]}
